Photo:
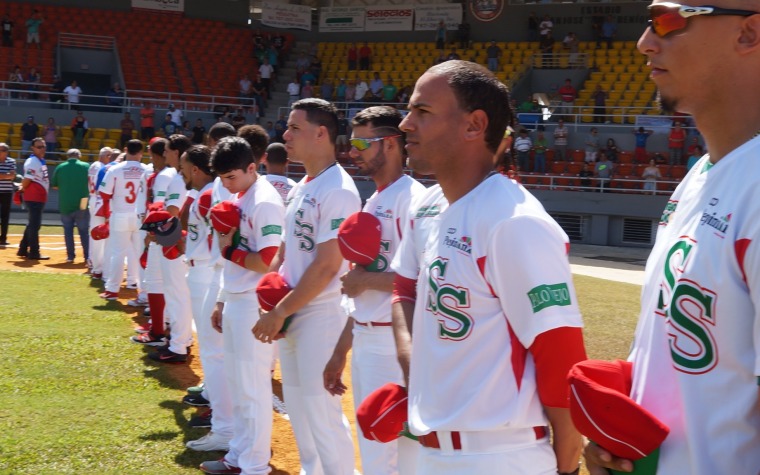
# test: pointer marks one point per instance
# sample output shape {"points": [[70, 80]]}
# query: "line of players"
{"points": [[211, 278]]}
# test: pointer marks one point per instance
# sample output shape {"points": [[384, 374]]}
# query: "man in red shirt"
{"points": [[676, 140], [352, 57], [568, 94], [365, 52], [147, 129]]}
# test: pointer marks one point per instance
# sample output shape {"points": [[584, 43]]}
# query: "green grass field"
{"points": [[76, 397]]}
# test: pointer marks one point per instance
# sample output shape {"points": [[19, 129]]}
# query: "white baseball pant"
{"points": [[123, 243], [178, 307], [97, 248], [153, 281], [322, 432], [203, 281], [246, 363]]}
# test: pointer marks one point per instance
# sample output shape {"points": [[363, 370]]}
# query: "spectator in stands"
{"points": [[341, 142], [302, 65], [33, 29], [353, 57], [326, 90], [273, 57], [676, 141], [16, 82], [464, 34], [390, 91], [528, 105], [147, 127], [29, 130], [245, 92], [279, 132], [294, 91], [693, 145], [540, 146], [523, 144], [361, 90], [238, 120], [640, 152], [271, 131], [79, 128], [50, 134], [7, 26], [127, 126], [115, 98], [694, 157], [403, 95], [316, 69], [441, 58], [376, 87], [592, 145], [608, 32], [611, 150], [452, 55], [7, 188], [567, 94], [545, 27], [440, 36], [365, 57], [308, 76], [73, 91], [199, 133], [603, 171], [33, 80], [600, 105], [650, 175], [266, 73], [169, 127], [56, 92], [547, 49], [533, 23], [351, 91], [493, 55], [71, 180], [585, 175], [561, 133], [307, 90], [340, 92], [570, 43], [260, 93], [177, 115]]}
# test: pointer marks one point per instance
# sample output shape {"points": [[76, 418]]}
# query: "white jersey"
{"points": [[391, 206], [315, 211], [123, 181], [482, 299], [696, 353], [161, 184], [282, 184], [198, 243], [92, 182], [36, 170], [176, 192], [261, 219]]}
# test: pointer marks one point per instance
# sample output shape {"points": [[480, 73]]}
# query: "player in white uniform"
{"points": [[496, 327], [378, 151], [246, 360], [276, 163], [96, 246], [311, 265], [173, 271], [696, 352], [120, 187]]}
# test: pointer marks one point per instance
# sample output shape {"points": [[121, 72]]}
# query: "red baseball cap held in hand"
{"points": [[224, 217], [271, 289], [382, 414], [101, 231], [359, 238], [602, 410]]}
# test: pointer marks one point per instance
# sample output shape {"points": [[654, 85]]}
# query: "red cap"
{"points": [[602, 410], [171, 252], [204, 203], [359, 238], [101, 231], [155, 217], [144, 258], [18, 197], [271, 289], [224, 217], [381, 416]]}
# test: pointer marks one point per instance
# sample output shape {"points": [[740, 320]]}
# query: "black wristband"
{"points": [[227, 252], [574, 472]]}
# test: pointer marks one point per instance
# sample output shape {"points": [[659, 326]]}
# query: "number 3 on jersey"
{"points": [[132, 196], [446, 302]]}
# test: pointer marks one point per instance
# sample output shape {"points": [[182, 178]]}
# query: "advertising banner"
{"points": [[284, 15], [168, 6], [427, 17], [390, 18], [337, 19]]}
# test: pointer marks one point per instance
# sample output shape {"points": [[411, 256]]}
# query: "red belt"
{"points": [[431, 440], [374, 324]]}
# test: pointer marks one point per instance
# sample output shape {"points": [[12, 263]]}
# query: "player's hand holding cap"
{"points": [[101, 231], [382, 414], [224, 217], [166, 227], [359, 238], [602, 410], [271, 289]]}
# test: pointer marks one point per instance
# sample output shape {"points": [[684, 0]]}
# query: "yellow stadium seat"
{"points": [[97, 133]]}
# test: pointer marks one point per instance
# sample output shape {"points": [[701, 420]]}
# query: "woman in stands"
{"points": [[50, 134], [611, 150]]}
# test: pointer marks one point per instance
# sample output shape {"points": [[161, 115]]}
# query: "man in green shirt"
{"points": [[70, 179], [389, 91]]}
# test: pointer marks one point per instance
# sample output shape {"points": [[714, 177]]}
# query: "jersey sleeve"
{"points": [[160, 187], [176, 193], [108, 183], [267, 225], [336, 207], [533, 281], [406, 262], [747, 251]]}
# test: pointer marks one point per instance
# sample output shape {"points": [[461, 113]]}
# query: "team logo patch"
{"points": [[463, 244], [271, 229], [428, 211], [549, 295], [670, 208], [174, 196], [720, 223], [335, 223]]}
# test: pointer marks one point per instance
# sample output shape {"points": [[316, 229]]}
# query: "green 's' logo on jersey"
{"points": [[549, 295], [448, 302], [271, 229], [670, 208], [335, 223]]}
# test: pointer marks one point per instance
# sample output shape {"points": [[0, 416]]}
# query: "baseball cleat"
{"points": [[146, 312], [201, 420], [137, 303], [109, 295], [144, 328], [195, 400], [167, 356], [196, 389], [148, 339], [96, 275], [210, 442], [219, 467], [131, 286]]}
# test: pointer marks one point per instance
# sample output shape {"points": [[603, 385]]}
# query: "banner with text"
{"points": [[332, 19], [284, 15], [427, 17], [391, 18], [170, 6]]}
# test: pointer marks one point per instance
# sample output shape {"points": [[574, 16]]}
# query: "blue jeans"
{"points": [[539, 163], [30, 243], [523, 158], [80, 219], [493, 64]]}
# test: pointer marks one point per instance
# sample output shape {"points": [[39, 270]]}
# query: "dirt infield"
{"points": [[285, 460]]}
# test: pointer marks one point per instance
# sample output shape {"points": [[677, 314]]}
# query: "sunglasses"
{"points": [[363, 144], [666, 18]]}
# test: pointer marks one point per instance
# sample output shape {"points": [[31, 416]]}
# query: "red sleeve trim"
{"points": [[267, 254], [404, 289], [740, 248], [555, 352]]}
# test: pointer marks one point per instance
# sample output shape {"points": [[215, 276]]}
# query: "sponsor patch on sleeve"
{"points": [[335, 223], [549, 295], [271, 229]]}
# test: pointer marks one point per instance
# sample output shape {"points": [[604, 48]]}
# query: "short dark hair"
{"points": [[321, 113], [158, 146], [200, 156], [231, 153], [277, 154], [134, 147], [385, 118], [220, 130], [476, 88], [179, 142], [256, 137]]}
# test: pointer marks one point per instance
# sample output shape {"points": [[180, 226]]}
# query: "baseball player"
{"points": [[377, 149], [173, 271], [310, 262], [119, 189], [246, 360], [96, 246], [494, 333], [695, 354], [276, 163]]}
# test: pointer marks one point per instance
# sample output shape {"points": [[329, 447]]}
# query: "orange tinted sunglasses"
{"points": [[666, 18]]}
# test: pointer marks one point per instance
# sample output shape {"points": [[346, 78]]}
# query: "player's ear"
{"points": [[749, 35], [477, 124]]}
